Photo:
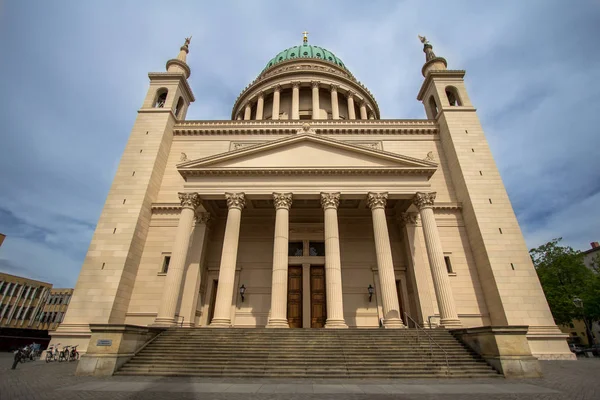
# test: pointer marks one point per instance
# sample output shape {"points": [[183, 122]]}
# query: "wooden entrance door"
{"points": [[318, 305], [294, 301]]}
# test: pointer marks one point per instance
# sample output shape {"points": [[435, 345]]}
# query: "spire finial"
{"points": [[432, 62], [186, 44], [305, 37]]}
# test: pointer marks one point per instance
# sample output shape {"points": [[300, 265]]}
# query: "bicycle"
{"points": [[52, 353], [74, 354], [64, 354]]}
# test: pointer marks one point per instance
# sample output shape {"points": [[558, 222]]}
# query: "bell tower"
{"points": [[104, 287], [512, 290]]}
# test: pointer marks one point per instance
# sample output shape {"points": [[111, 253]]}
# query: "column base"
{"points": [[188, 325], [393, 323], [450, 323], [278, 323], [164, 322], [220, 323], [336, 324]]}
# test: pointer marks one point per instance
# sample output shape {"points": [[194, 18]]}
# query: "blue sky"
{"points": [[74, 73]]}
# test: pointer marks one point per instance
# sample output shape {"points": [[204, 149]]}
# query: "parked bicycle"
{"points": [[64, 354], [74, 356], [52, 352]]}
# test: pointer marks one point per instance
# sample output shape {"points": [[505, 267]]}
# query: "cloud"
{"points": [[74, 75]]}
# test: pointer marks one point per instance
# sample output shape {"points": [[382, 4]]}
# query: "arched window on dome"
{"points": [[179, 107], [453, 97], [161, 98], [433, 108]]}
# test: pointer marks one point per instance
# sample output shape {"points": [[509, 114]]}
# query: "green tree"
{"points": [[564, 277]]}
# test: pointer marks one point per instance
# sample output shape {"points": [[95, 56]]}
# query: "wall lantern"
{"points": [[371, 291], [242, 291]]}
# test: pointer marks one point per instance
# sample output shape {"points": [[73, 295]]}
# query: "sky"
{"points": [[74, 73]]}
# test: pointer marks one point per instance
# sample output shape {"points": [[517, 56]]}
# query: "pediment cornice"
{"points": [[396, 164]]}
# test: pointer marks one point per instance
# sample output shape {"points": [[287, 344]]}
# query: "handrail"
{"points": [[431, 341]]}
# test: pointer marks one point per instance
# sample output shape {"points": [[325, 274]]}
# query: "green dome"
{"points": [[306, 51]]}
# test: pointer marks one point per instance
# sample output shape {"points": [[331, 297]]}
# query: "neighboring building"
{"points": [[592, 255], [55, 308], [22, 301], [2, 237], [286, 215]]}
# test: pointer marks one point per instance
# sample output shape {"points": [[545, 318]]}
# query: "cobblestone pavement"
{"points": [[38, 380]]}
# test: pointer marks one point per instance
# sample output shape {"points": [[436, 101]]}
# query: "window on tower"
{"points": [[433, 107], [179, 107], [161, 98], [452, 95]]}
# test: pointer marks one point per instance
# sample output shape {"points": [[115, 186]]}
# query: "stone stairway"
{"points": [[305, 353]]}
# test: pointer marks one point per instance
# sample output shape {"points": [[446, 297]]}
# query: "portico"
{"points": [[297, 272]]}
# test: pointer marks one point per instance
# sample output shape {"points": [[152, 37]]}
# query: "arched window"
{"points": [[161, 98], [433, 106], [179, 107], [452, 95]]}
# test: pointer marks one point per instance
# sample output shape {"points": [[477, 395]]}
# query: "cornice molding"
{"points": [[330, 127], [308, 171]]}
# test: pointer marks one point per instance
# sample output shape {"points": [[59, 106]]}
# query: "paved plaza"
{"points": [[38, 380]]}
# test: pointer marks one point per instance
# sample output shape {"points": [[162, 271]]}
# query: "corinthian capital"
{"points": [[296, 84], [335, 88], [330, 200], [424, 200], [376, 200], [236, 200], [315, 84], [350, 94], [277, 88], [189, 200], [409, 218], [282, 200]]}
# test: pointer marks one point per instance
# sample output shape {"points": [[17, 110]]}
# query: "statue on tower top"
{"points": [[423, 39], [186, 44]]}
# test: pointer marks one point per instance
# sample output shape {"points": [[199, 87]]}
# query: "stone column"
{"points": [[441, 282], [247, 111], [333, 265], [276, 101], [260, 104], [239, 117], [385, 264], [315, 100], [193, 273], [296, 100], [222, 315], [335, 108], [278, 319], [172, 288], [371, 115], [351, 112], [363, 110]]}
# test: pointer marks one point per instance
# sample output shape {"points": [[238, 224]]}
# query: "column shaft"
{"points": [[279, 286], [276, 100], [296, 100], [260, 106], [172, 288], [222, 314], [333, 267], [363, 110], [316, 111], [335, 109], [441, 282], [193, 273], [385, 264], [247, 112], [351, 112]]}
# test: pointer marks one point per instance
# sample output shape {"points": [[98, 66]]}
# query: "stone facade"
{"points": [[205, 219]]}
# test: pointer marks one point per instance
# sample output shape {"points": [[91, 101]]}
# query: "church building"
{"points": [[307, 210]]}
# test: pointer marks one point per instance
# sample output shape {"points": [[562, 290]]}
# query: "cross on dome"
{"points": [[305, 37]]}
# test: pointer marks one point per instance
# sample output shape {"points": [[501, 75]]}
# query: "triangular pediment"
{"points": [[306, 152]]}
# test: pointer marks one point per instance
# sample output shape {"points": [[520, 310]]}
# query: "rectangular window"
{"points": [[448, 264], [295, 249], [165, 264], [316, 249]]}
